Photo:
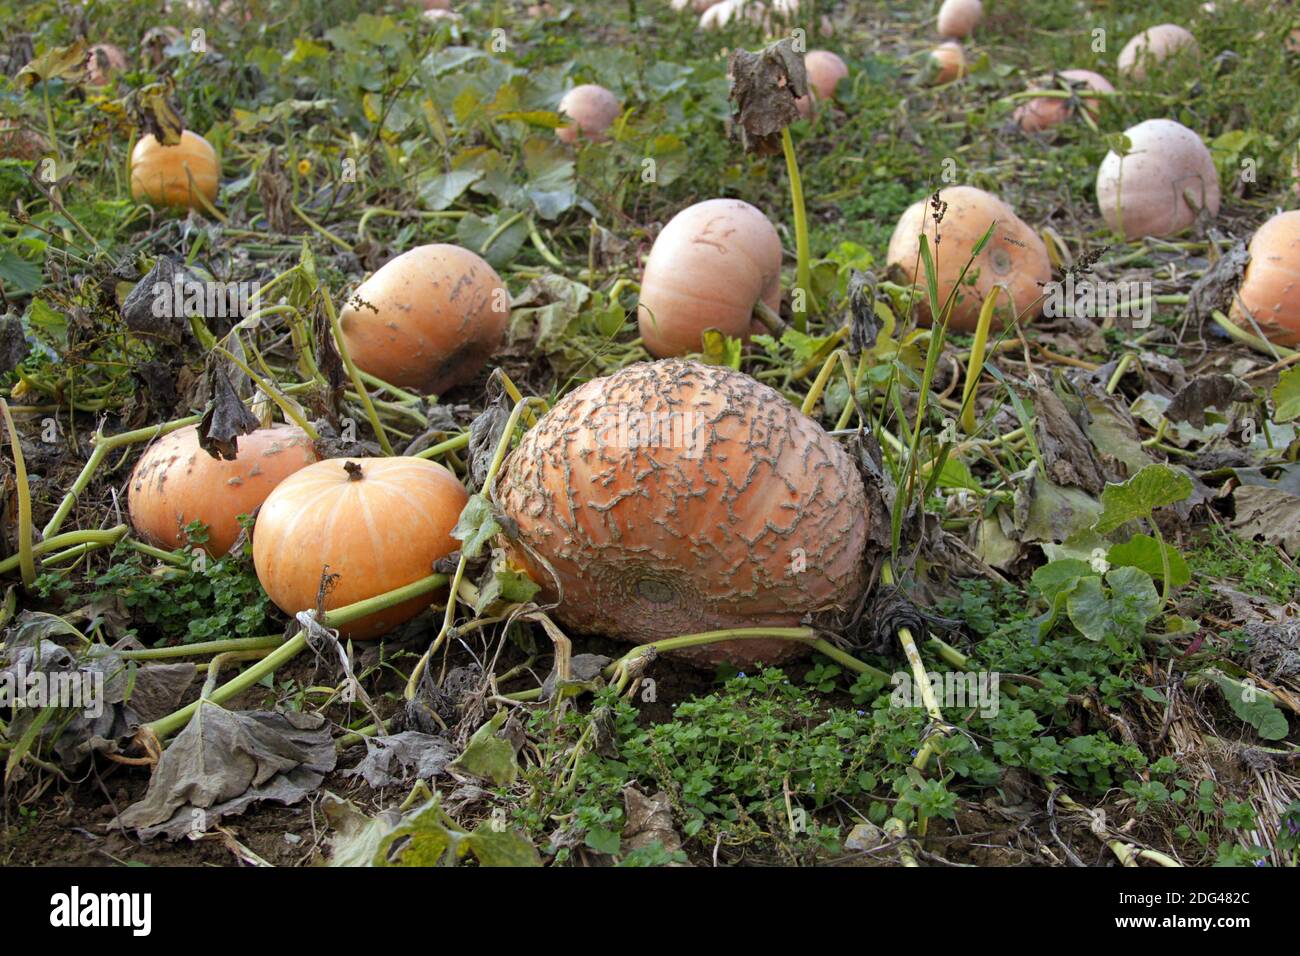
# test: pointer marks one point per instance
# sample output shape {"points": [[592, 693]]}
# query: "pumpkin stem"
{"points": [[353, 470]]}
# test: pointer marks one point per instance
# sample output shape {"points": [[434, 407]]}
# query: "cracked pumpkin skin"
{"points": [[176, 482], [699, 532], [428, 319]]}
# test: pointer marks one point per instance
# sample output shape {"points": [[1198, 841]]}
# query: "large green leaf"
{"points": [[1143, 551], [1286, 395], [1153, 487]]}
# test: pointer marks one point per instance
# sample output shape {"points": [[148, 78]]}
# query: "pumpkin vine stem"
{"points": [[803, 269], [340, 343], [449, 617], [166, 726], [353, 470], [101, 450]]}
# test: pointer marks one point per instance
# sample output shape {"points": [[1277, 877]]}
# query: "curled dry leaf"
{"points": [[223, 762], [764, 88], [225, 419]]}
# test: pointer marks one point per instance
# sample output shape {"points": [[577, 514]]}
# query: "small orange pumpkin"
{"points": [[1044, 112], [707, 269], [428, 319], [825, 70], [177, 482], [675, 497], [376, 524], [947, 62], [1270, 288], [177, 175]]}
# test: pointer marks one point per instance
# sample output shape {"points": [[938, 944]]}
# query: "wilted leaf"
{"points": [[68, 62], [223, 762], [489, 756], [225, 419], [1252, 706], [476, 526], [764, 87], [1208, 391]]}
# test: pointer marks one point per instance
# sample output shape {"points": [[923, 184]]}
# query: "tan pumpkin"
{"points": [[825, 71], [947, 63], [591, 110], [957, 18], [1044, 112], [707, 269], [102, 61], [1270, 287], [18, 142], [376, 524], [177, 482], [428, 319], [1146, 192], [1014, 257], [1152, 47], [175, 176], [675, 497]]}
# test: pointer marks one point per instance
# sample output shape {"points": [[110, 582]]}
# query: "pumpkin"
{"points": [[1270, 287], [18, 142], [957, 18], [825, 70], [1153, 46], [1045, 112], [177, 482], [721, 14], [177, 175], [154, 44], [376, 524], [428, 319], [1145, 192], [102, 61], [947, 62], [708, 268], [1014, 256], [592, 110], [675, 497]]}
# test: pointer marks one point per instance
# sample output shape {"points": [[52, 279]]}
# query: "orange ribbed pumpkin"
{"points": [[177, 482], [428, 319], [177, 175], [675, 497], [376, 523]]}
